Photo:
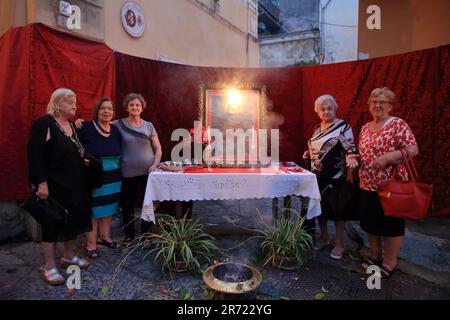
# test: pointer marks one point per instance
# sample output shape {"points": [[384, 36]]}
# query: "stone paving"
{"points": [[139, 279]]}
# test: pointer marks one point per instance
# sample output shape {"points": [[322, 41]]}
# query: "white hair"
{"points": [[57, 97], [388, 93], [324, 98]]}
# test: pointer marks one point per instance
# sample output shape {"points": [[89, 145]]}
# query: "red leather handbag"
{"points": [[406, 199]]}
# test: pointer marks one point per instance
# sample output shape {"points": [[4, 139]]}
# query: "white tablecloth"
{"points": [[164, 186]]}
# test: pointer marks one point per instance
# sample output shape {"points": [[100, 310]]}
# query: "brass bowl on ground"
{"points": [[232, 278]]}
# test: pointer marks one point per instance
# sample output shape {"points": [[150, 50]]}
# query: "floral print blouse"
{"points": [[394, 135]]}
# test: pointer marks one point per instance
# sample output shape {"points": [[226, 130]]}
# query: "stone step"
{"points": [[425, 250]]}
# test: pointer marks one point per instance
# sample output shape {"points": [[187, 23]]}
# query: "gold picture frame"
{"points": [[212, 98], [225, 106]]}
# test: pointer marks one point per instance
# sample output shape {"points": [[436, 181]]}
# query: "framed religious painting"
{"points": [[234, 109]]}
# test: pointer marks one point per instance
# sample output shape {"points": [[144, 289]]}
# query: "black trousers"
{"points": [[131, 196]]}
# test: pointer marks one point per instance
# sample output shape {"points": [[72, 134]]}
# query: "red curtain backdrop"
{"points": [[34, 61], [420, 81], [172, 94], [14, 112]]}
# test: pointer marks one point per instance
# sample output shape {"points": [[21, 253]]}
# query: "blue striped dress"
{"points": [[105, 200]]}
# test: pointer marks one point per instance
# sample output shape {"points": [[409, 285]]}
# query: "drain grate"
{"points": [[338, 283]]}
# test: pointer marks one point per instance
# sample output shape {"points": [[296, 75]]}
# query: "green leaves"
{"points": [[185, 295], [320, 295], [286, 240], [183, 241], [207, 292], [104, 291]]}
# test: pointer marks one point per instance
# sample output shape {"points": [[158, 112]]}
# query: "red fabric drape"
{"points": [[440, 133], [14, 112], [420, 81], [172, 92], [36, 60]]}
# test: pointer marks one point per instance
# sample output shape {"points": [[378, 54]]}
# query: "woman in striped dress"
{"points": [[102, 140], [329, 147]]}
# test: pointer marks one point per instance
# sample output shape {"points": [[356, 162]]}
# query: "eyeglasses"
{"points": [[381, 102], [107, 108]]}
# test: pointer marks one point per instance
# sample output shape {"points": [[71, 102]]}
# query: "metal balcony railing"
{"points": [[272, 7]]}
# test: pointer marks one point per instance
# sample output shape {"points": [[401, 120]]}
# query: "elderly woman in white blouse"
{"points": [[328, 150]]}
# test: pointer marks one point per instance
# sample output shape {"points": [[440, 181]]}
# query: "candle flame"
{"points": [[234, 100]]}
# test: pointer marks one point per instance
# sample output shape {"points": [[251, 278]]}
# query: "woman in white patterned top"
{"points": [[329, 146]]}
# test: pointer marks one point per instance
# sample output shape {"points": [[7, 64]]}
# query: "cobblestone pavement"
{"points": [[321, 277], [142, 279]]}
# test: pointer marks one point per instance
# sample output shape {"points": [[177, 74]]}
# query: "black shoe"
{"points": [[92, 253], [111, 245], [128, 239]]}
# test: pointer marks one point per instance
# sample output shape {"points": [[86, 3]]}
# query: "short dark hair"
{"points": [[97, 106], [133, 96]]}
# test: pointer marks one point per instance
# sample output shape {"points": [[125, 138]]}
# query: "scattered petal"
{"points": [[165, 290]]}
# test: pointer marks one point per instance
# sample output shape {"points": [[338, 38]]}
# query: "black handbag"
{"points": [[48, 212]]}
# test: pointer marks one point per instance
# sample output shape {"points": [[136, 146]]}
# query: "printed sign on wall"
{"points": [[133, 19]]}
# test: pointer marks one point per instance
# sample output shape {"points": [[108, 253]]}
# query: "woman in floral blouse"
{"points": [[380, 142]]}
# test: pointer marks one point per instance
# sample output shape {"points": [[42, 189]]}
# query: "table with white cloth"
{"points": [[238, 184]]}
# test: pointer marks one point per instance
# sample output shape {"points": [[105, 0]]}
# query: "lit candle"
{"points": [[208, 135], [253, 138]]}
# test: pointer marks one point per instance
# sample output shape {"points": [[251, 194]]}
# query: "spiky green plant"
{"points": [[286, 240], [182, 240]]}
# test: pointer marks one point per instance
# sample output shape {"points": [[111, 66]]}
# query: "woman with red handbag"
{"points": [[380, 142]]}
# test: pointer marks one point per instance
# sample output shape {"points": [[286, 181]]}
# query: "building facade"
{"points": [[389, 27], [307, 32], [194, 32], [338, 24]]}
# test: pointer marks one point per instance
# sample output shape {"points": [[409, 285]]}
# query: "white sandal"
{"points": [[337, 252], [77, 261], [52, 276]]}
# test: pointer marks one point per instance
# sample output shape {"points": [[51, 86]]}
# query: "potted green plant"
{"points": [[286, 243], [181, 245]]}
